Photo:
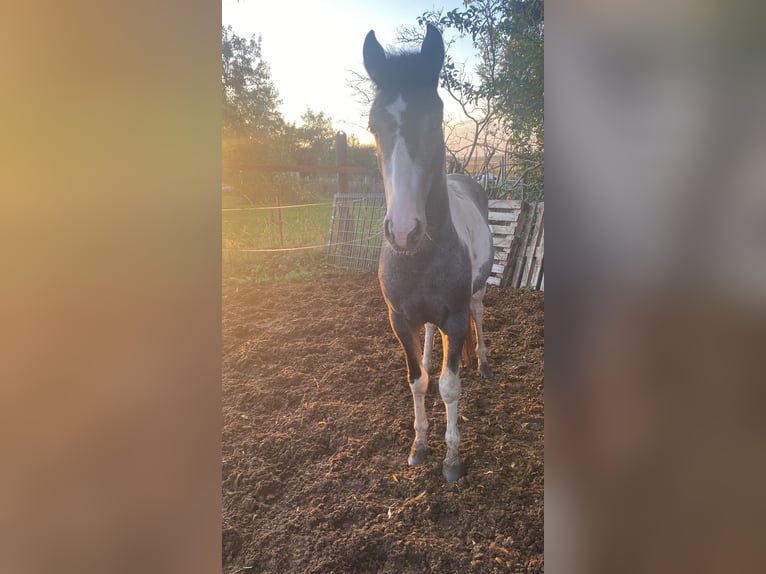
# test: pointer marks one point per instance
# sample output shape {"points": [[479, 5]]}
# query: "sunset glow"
{"points": [[313, 49]]}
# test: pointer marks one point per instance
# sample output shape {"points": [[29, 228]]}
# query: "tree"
{"points": [[252, 126], [314, 139], [250, 100], [520, 75], [508, 98]]}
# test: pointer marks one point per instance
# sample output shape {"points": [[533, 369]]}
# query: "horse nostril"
{"points": [[387, 229], [416, 234]]}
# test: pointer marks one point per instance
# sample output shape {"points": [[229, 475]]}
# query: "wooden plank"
{"points": [[518, 237], [503, 242], [533, 261], [503, 229], [505, 203], [503, 216], [540, 249], [516, 259], [538, 276]]}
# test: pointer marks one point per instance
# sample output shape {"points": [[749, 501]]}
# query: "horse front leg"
{"points": [[450, 388], [417, 377]]}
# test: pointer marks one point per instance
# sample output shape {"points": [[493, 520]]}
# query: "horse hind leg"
{"points": [[477, 311], [469, 357], [428, 346]]}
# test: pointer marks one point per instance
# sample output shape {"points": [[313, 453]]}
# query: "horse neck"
{"points": [[437, 208]]}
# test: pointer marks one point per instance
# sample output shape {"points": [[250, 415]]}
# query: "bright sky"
{"points": [[310, 45]]}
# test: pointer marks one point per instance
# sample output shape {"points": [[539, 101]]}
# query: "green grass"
{"points": [[260, 229], [302, 228]]}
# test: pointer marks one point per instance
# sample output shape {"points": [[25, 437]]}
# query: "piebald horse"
{"points": [[437, 253]]}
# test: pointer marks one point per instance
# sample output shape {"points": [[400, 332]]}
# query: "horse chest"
{"points": [[427, 289]]}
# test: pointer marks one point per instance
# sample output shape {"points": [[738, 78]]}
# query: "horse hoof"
{"points": [[485, 371], [417, 456], [452, 472]]}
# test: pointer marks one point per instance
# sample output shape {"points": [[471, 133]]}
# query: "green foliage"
{"points": [[314, 140], [509, 35], [362, 155], [260, 229], [252, 125], [250, 100], [520, 77]]}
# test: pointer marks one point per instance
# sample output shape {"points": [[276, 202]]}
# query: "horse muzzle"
{"points": [[404, 238]]}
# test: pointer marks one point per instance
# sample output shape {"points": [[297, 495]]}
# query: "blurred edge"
{"points": [[110, 301], [655, 287], [110, 291]]}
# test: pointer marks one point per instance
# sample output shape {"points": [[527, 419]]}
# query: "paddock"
{"points": [[317, 417]]}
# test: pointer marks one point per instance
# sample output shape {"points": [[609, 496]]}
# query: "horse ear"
{"points": [[374, 57], [432, 52]]}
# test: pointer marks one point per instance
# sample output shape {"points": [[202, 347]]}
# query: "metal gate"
{"points": [[356, 230]]}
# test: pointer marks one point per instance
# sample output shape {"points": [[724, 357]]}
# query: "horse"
{"points": [[437, 250]]}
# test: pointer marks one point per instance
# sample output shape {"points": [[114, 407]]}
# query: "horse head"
{"points": [[406, 120]]}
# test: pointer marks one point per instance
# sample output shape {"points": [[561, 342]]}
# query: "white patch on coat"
{"points": [[449, 388], [470, 225], [418, 388], [396, 109], [428, 345]]}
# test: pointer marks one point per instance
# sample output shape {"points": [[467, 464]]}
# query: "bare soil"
{"points": [[317, 425]]}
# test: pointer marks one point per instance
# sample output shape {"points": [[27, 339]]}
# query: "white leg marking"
{"points": [[418, 388], [449, 388], [428, 346]]}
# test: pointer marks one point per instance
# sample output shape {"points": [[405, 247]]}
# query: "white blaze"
{"points": [[406, 203]]}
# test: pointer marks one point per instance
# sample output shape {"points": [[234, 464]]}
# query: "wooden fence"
{"points": [[518, 233]]}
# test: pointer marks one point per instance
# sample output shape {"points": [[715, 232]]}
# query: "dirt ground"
{"points": [[317, 425]]}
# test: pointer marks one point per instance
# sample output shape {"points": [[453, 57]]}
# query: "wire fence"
{"points": [[356, 230], [355, 235]]}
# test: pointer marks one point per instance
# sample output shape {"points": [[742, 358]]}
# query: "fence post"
{"points": [[279, 224], [341, 155]]}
